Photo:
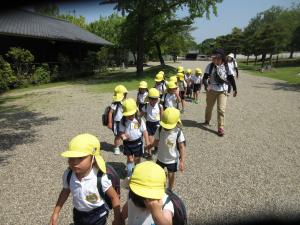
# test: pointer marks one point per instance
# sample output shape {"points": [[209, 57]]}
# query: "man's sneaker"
{"points": [[206, 124], [221, 132], [117, 151]]}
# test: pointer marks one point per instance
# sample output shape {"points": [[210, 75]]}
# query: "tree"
{"points": [[145, 11], [78, 21], [47, 9], [207, 46]]}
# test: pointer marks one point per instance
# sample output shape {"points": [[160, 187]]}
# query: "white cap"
{"points": [[231, 55]]}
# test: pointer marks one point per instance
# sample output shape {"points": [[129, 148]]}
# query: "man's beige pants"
{"points": [[211, 97]]}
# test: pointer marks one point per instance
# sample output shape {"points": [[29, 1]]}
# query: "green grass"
{"points": [[289, 74]]}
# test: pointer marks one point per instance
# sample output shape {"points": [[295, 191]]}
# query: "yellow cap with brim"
{"points": [[170, 118], [148, 180], [172, 85], [159, 77], [83, 145], [129, 107], [118, 97]]}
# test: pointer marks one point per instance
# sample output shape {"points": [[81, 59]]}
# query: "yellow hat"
{"points": [[188, 71], [159, 77], [129, 107], [172, 85], [148, 180], [153, 93], [173, 79], [120, 89], [198, 71], [180, 76], [162, 72], [118, 97], [143, 84], [170, 118], [83, 145], [180, 69]]}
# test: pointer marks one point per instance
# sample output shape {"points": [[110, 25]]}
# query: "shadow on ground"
{"points": [[120, 168], [108, 147], [193, 123], [17, 126], [280, 86]]}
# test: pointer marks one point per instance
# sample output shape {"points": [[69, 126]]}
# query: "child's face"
{"points": [[130, 117], [153, 101], [172, 90], [158, 82], [142, 90], [80, 165]]}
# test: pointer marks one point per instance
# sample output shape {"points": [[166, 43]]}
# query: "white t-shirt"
{"points": [[182, 85], [139, 216], [141, 97], [213, 84], [161, 87], [85, 192], [233, 65], [196, 79], [170, 100], [152, 113], [119, 113], [167, 147], [133, 129]]}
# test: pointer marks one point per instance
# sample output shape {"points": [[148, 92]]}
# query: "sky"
{"points": [[231, 13]]}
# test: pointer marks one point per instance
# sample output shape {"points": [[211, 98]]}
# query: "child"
{"points": [[187, 78], [180, 69], [115, 115], [171, 98], [182, 89], [85, 163], [148, 203], [173, 79], [142, 95], [160, 83], [152, 112], [132, 130], [170, 140], [197, 80]]}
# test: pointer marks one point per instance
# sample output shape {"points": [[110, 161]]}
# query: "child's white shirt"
{"points": [[170, 100], [133, 129], [196, 79], [85, 193], [182, 85], [152, 113], [119, 113], [141, 97], [139, 216], [232, 65], [161, 87], [167, 147]]}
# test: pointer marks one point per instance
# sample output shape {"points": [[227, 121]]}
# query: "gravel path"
{"points": [[253, 170]]}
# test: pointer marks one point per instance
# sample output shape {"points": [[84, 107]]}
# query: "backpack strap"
{"points": [[99, 184], [226, 68], [159, 131], [69, 176], [211, 66], [164, 102]]}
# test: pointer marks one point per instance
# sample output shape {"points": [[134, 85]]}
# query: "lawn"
{"points": [[291, 74]]}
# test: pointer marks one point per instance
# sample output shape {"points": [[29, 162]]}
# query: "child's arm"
{"points": [[113, 195], [146, 138], [181, 155], [109, 125], [124, 213], [160, 217], [63, 196]]}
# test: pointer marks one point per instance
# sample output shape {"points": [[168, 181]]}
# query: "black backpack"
{"points": [[105, 114], [180, 215], [178, 135], [112, 176], [218, 77]]}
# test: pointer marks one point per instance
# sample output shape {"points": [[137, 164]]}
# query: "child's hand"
{"points": [[181, 165], [234, 93], [109, 125], [53, 219], [153, 205]]}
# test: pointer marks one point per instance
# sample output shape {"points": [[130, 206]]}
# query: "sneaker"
{"points": [[117, 151], [196, 102], [221, 132], [182, 111], [147, 156]]}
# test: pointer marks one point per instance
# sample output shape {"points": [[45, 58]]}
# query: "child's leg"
{"points": [[130, 165], [151, 140], [137, 160], [171, 178], [117, 143]]}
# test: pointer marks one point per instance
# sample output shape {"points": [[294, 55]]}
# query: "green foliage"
{"points": [[47, 9], [78, 21], [7, 78], [41, 74], [97, 61]]}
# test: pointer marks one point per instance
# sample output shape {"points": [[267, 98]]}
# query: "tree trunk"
{"points": [[271, 55], [247, 59], [277, 59], [161, 59], [134, 57], [291, 54], [255, 60], [263, 58], [140, 45]]}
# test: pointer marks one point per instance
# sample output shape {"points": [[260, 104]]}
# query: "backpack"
{"points": [[180, 215], [106, 112], [178, 135], [112, 176], [219, 78]]}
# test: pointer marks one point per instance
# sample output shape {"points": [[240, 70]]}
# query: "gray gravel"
{"points": [[252, 170]]}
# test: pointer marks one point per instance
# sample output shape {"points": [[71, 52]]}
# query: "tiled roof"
{"points": [[30, 24]]}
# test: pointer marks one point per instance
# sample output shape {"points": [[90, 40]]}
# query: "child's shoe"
{"points": [[117, 151], [182, 111], [221, 132]]}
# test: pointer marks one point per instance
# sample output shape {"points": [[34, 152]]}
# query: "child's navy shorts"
{"points": [[97, 216], [181, 94], [197, 87], [152, 127], [172, 167], [133, 147]]}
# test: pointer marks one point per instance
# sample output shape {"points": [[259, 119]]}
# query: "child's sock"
{"points": [[130, 167]]}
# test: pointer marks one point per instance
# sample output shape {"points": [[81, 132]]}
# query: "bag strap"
{"points": [[69, 176], [211, 66], [99, 185]]}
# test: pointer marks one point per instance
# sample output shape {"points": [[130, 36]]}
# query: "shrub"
{"points": [[41, 74], [7, 79]]}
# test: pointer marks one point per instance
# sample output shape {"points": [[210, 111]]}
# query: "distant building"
{"points": [[44, 36]]}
